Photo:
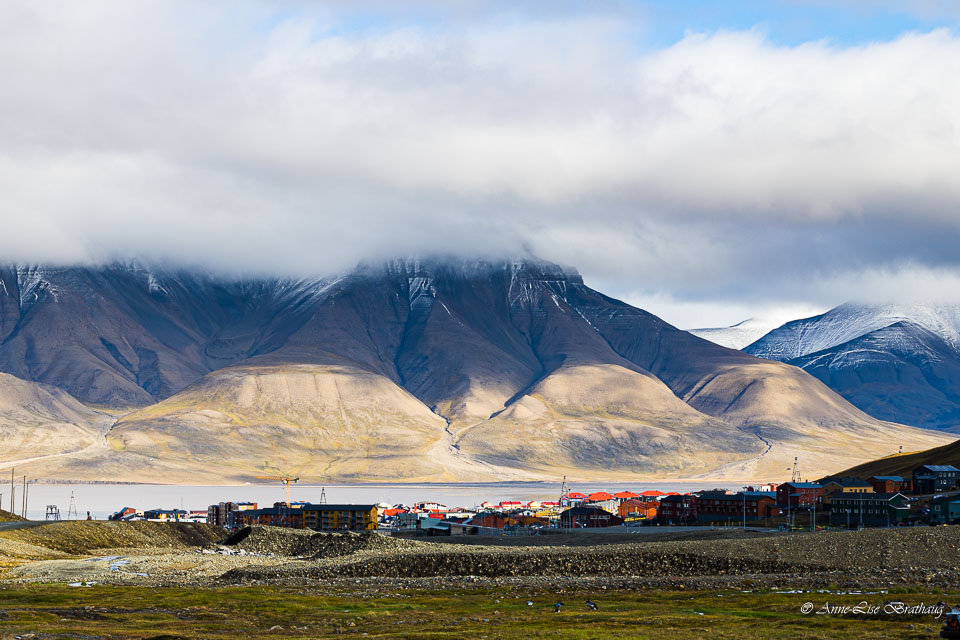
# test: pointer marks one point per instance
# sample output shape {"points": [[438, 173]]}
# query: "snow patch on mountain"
{"points": [[851, 321], [739, 335]]}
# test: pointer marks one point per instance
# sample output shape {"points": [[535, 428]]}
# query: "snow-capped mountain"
{"points": [[849, 321], [407, 369], [896, 362], [739, 335]]}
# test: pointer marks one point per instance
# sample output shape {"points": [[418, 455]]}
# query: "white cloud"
{"points": [[721, 168]]}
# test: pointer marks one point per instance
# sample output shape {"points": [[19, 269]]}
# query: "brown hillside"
{"points": [[904, 464]]}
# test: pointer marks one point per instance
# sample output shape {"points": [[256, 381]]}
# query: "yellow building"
{"points": [[845, 486], [339, 517]]}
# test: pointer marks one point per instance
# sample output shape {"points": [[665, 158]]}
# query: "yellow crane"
{"points": [[286, 481]]}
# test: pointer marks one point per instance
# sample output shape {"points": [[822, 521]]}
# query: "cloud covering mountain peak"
{"points": [[303, 141]]}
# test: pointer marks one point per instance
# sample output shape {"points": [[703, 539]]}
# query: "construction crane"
{"points": [[286, 481]]}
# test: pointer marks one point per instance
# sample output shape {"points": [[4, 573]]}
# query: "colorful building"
{"points": [[799, 494], [889, 484], [716, 506]]}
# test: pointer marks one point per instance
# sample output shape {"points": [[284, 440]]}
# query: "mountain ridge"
{"points": [[897, 362], [485, 369]]}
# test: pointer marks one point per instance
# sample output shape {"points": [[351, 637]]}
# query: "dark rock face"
{"points": [[125, 336], [892, 368]]}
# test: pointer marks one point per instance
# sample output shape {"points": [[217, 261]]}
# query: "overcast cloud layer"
{"points": [[723, 171]]}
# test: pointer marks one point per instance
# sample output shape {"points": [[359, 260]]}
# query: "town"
{"points": [[930, 496]]}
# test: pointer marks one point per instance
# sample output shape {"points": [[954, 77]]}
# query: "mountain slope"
{"points": [[903, 370], [122, 335], [850, 321], [40, 421], [904, 464], [435, 369], [309, 420], [739, 335]]}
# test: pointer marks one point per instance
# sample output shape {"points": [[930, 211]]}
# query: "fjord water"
{"points": [[101, 500]]}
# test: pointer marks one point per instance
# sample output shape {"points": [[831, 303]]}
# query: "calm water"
{"points": [[103, 499]]}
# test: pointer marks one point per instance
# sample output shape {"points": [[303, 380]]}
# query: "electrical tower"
{"points": [[564, 490], [72, 509], [796, 471], [323, 495], [53, 512]]}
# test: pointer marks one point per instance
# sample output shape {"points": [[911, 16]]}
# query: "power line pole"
{"points": [[23, 508], [13, 492], [745, 508]]}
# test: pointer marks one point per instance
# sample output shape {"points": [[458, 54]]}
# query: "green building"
{"points": [[868, 509]]}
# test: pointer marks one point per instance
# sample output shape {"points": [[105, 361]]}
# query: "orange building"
{"points": [[637, 509]]}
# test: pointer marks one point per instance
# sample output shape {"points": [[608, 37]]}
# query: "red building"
{"points": [[678, 509], [890, 484], [714, 506], [798, 494], [492, 520]]}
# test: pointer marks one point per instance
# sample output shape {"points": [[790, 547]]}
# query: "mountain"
{"points": [[849, 321], [739, 335], [412, 369], [125, 336], [896, 362], [40, 421]]}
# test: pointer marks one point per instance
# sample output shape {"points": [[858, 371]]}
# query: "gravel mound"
{"points": [[299, 543], [6, 516], [80, 537], [917, 552]]}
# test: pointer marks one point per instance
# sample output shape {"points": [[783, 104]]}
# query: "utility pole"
{"points": [[13, 492], [745, 508], [23, 508]]}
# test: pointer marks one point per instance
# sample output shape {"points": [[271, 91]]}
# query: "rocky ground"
{"points": [[194, 556]]}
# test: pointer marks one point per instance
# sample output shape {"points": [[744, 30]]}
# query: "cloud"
{"points": [[302, 138]]}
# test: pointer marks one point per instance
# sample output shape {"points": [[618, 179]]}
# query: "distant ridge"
{"points": [[896, 362], [739, 335]]}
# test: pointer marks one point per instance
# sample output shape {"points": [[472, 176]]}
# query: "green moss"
{"points": [[129, 612]]}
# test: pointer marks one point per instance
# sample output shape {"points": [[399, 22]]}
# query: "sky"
{"points": [[705, 161]]}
